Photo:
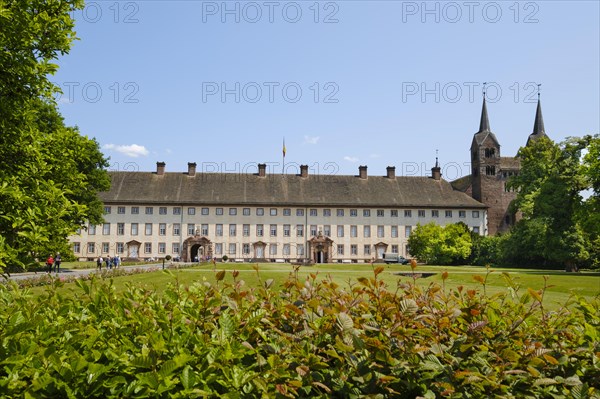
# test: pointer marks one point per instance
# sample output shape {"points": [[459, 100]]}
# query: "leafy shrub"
{"points": [[308, 338], [441, 245], [487, 250]]}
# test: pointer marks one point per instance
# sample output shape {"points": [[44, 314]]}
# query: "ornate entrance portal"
{"points": [[259, 251], [133, 249], [380, 249], [320, 248], [196, 248]]}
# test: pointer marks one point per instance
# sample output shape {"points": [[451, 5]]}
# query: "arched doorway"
{"points": [[196, 246], [197, 252], [320, 258], [321, 248]]}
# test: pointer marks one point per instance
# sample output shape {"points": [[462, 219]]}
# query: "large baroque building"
{"points": [[267, 216]]}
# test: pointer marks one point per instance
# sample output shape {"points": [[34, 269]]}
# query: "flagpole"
{"points": [[283, 161]]}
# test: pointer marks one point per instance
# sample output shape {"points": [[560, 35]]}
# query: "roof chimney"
{"points": [[262, 169], [436, 171], [391, 172], [191, 168], [160, 168], [362, 172], [304, 171]]}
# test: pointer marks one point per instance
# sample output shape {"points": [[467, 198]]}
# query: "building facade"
{"points": [[270, 217], [297, 217]]}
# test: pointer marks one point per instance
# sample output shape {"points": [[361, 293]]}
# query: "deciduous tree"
{"points": [[550, 185], [49, 173], [435, 244]]}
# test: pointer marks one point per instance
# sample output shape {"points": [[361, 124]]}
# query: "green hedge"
{"points": [[308, 338]]}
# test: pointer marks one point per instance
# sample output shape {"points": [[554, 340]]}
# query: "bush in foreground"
{"points": [[308, 338]]}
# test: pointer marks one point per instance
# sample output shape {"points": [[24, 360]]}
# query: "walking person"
{"points": [[49, 263], [107, 262], [57, 262], [99, 263]]}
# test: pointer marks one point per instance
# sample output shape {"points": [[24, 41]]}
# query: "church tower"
{"points": [[485, 158], [489, 174]]}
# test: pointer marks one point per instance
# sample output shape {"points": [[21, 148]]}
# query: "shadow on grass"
{"points": [[415, 275]]}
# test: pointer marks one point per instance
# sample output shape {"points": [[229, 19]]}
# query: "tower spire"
{"points": [[538, 125], [484, 124]]}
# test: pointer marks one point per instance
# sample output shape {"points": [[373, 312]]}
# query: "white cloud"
{"points": [[64, 100], [311, 139], [132, 150], [350, 159]]}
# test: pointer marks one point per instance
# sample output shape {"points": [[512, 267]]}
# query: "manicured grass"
{"points": [[559, 285], [92, 264]]}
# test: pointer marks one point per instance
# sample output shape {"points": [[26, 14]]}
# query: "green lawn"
{"points": [[92, 264], [561, 285]]}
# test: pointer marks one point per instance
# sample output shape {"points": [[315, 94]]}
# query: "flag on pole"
{"points": [[284, 150]]}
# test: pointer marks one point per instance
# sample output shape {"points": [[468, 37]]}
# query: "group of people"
{"points": [[109, 262], [53, 262]]}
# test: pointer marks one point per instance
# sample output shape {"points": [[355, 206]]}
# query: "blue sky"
{"points": [[347, 83]]}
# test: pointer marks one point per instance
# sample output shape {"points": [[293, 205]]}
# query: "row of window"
{"points": [[232, 248], [149, 210], [119, 248], [366, 249], [203, 230], [219, 248]]}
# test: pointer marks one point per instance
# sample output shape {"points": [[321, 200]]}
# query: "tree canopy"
{"points": [[558, 201], [559, 226], [49, 173], [441, 245]]}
